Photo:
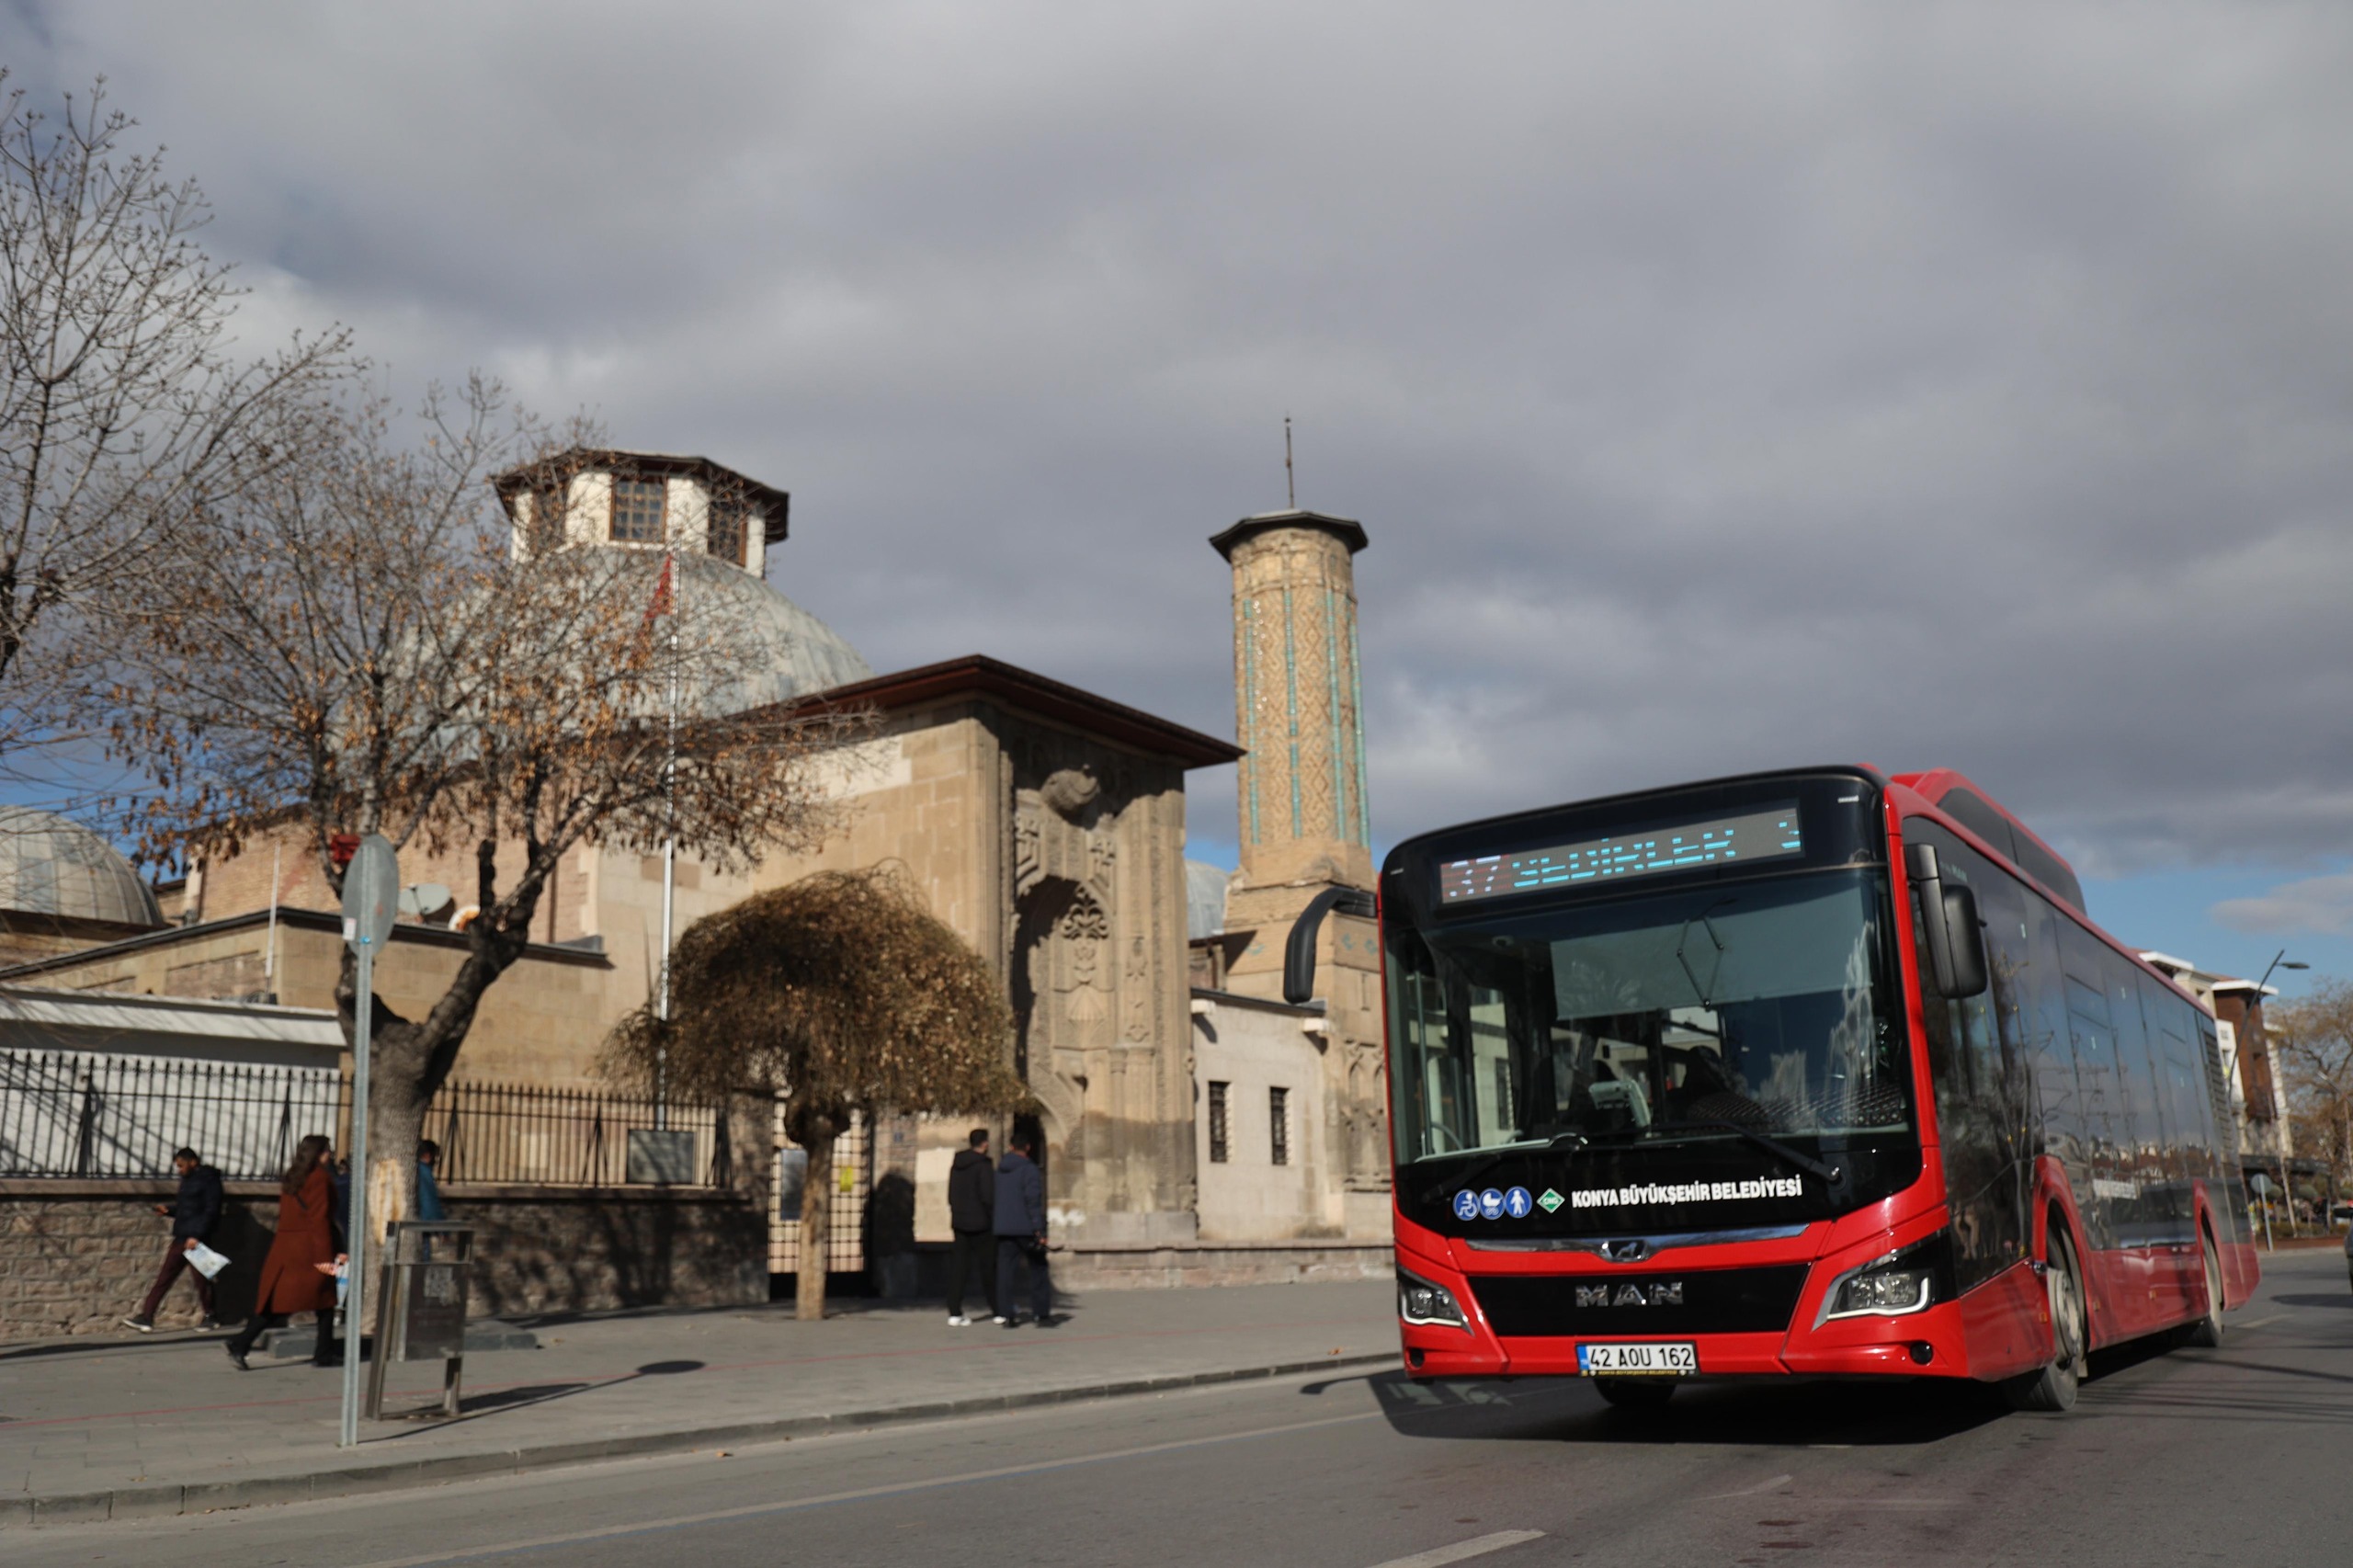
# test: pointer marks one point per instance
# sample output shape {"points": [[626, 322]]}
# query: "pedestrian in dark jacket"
{"points": [[298, 1275], [428, 1182], [1020, 1225], [971, 1214], [193, 1214]]}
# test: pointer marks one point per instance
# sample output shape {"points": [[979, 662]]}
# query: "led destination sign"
{"points": [[1757, 835]]}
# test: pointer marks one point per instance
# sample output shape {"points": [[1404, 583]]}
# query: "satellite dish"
{"points": [[425, 900]]}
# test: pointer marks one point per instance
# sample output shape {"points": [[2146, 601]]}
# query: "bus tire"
{"points": [[1635, 1393], [2207, 1332], [2053, 1386]]}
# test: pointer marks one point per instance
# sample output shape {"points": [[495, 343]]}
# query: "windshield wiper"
{"points": [[1831, 1175], [1558, 1141]]}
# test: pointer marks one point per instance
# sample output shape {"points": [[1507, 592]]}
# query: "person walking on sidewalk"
{"points": [[297, 1275], [971, 1214], [428, 1182], [1020, 1225], [193, 1214]]}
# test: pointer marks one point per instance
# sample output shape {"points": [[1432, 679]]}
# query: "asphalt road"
{"points": [[2236, 1455]]}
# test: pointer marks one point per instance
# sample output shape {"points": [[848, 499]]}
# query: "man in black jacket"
{"points": [[1021, 1232], [972, 1213], [193, 1214]]}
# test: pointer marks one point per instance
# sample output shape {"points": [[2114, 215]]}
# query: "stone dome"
{"points": [[799, 654], [1205, 888], [51, 865]]}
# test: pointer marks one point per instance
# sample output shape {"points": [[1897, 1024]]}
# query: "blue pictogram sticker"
{"points": [[1516, 1203], [1491, 1204], [1466, 1205]]}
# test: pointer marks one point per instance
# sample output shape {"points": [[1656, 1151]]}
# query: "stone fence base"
{"points": [[1086, 1267], [77, 1255]]}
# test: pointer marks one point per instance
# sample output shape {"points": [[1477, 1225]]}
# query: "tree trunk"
{"points": [[816, 1213]]}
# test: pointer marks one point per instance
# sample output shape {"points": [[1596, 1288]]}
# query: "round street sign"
{"points": [[371, 892]]}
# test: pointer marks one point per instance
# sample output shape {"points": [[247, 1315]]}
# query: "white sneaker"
{"points": [[957, 1320], [1001, 1318]]}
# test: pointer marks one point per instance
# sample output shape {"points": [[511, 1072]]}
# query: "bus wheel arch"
{"points": [[2053, 1385], [2206, 1332]]}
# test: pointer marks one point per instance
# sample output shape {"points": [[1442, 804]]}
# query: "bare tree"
{"points": [[126, 409], [2313, 1041], [362, 648], [844, 995]]}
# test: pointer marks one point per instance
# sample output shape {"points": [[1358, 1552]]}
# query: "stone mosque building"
{"points": [[1196, 1127]]}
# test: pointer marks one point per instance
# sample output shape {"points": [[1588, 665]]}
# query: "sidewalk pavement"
{"points": [[95, 1430]]}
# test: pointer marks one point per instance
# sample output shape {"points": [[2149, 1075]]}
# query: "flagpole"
{"points": [[669, 860]]}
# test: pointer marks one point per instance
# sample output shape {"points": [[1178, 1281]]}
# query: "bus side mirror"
{"points": [[1966, 934], [1299, 951], [1950, 927]]}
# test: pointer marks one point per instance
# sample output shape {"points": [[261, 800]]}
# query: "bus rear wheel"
{"points": [[1635, 1393], [2054, 1385]]}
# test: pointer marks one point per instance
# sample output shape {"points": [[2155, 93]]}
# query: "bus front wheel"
{"points": [[2053, 1386], [2206, 1333]]}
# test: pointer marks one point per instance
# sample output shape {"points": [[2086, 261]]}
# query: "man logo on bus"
{"points": [[1658, 1293]]}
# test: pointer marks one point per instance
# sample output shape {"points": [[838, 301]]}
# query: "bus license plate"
{"points": [[1653, 1360]]}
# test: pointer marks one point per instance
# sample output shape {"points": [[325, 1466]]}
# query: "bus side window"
{"points": [[1980, 1110], [2072, 1126]]}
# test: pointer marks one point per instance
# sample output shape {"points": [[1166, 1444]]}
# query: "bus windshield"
{"points": [[1765, 1006]]}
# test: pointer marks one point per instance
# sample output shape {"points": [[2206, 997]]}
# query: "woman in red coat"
{"points": [[292, 1277]]}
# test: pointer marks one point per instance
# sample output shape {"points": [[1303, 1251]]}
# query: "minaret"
{"points": [[1297, 696]]}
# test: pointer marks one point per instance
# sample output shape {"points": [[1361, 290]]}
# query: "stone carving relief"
{"points": [[1083, 930], [1070, 790]]}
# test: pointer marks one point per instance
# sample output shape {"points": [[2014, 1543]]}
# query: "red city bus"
{"points": [[1810, 1073]]}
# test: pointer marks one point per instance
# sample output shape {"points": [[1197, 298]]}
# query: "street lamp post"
{"points": [[2287, 1178]]}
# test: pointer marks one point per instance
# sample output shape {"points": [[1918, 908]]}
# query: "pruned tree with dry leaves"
{"points": [[843, 994], [127, 410], [362, 647], [2312, 1039]]}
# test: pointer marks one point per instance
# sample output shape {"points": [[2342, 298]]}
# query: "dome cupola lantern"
{"points": [[654, 501]]}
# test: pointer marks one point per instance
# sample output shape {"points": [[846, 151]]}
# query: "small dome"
{"points": [[1204, 899], [50, 865], [801, 654]]}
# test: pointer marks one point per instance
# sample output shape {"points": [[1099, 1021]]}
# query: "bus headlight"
{"points": [[1889, 1293], [1908, 1280], [1420, 1301]]}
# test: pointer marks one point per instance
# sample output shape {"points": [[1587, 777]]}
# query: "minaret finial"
{"points": [[1291, 484]]}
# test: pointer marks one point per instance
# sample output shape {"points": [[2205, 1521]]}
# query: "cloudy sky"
{"points": [[1722, 386]]}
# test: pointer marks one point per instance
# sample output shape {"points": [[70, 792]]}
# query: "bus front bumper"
{"points": [[1931, 1342]]}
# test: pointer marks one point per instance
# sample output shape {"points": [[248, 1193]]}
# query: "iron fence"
{"points": [[84, 1114], [530, 1135], [68, 1114]]}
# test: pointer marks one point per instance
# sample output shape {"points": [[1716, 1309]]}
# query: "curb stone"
{"points": [[211, 1496]]}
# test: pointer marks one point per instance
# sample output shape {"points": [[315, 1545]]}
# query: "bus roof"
{"points": [[1954, 794]]}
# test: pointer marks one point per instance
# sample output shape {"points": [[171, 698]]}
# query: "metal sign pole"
{"points": [[372, 891], [356, 1264]]}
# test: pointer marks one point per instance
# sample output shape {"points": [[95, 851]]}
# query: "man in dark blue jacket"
{"points": [[193, 1214], [1020, 1221]]}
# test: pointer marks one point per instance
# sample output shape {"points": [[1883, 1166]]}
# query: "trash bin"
{"points": [[421, 1309]]}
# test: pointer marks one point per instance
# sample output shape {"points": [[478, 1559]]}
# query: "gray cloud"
{"points": [[1723, 387], [2316, 904]]}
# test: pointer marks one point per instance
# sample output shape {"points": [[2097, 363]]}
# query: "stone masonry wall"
{"points": [[75, 1256], [590, 1249]]}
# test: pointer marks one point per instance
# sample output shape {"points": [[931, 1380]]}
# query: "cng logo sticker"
{"points": [[1551, 1202]]}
